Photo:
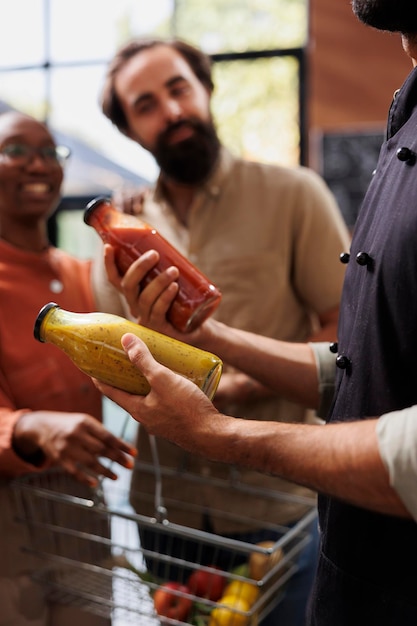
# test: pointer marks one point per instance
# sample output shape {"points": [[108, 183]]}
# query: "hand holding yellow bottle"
{"points": [[93, 342]]}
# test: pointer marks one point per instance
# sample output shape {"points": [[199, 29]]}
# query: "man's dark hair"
{"points": [[199, 62]]}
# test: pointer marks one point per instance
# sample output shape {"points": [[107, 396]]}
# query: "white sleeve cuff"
{"points": [[326, 366], [397, 440]]}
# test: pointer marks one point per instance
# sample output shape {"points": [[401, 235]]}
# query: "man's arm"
{"points": [[328, 325], [342, 460], [287, 368], [241, 387]]}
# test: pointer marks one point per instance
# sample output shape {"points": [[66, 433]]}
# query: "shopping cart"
{"points": [[89, 554]]}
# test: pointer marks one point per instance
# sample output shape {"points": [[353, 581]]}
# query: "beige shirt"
{"points": [[269, 237]]}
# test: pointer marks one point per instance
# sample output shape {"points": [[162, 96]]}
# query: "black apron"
{"points": [[367, 572]]}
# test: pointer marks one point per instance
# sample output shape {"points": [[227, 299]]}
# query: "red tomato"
{"points": [[173, 605], [206, 584]]}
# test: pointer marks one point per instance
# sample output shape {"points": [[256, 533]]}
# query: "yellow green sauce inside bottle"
{"points": [[93, 342]]}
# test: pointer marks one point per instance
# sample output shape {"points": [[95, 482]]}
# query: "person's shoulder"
{"points": [[298, 175], [69, 260]]}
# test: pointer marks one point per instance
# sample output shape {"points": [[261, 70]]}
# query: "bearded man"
{"points": [[269, 237]]}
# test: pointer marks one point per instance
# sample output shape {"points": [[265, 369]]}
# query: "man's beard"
{"points": [[192, 160], [391, 15]]}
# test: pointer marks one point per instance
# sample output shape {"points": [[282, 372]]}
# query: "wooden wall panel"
{"points": [[353, 69]]}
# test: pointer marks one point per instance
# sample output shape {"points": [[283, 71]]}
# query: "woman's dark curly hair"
{"points": [[199, 62]]}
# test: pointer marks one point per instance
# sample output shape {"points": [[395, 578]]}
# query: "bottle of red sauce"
{"points": [[197, 297]]}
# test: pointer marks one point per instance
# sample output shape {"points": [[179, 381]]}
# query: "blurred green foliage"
{"points": [[255, 103]]}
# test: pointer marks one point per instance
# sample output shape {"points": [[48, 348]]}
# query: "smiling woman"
{"points": [[50, 412], [31, 174]]}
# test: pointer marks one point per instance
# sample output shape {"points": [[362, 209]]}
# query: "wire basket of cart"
{"points": [[89, 555]]}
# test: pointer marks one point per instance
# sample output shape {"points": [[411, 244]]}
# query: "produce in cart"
{"points": [[207, 584], [172, 600], [238, 587]]}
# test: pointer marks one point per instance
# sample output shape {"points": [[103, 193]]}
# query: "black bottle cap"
{"points": [[38, 322], [92, 205]]}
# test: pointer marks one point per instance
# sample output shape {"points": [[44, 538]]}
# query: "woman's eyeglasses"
{"points": [[22, 154]]}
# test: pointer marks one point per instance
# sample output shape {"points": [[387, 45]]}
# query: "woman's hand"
{"points": [[74, 441]]}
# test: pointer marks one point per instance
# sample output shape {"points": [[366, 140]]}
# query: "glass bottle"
{"points": [[196, 299], [92, 342]]}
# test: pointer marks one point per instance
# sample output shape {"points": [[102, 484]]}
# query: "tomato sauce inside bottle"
{"points": [[197, 297]]}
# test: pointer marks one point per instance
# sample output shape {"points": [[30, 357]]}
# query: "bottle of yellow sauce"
{"points": [[93, 342]]}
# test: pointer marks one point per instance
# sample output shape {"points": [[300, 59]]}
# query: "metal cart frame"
{"points": [[87, 557]]}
